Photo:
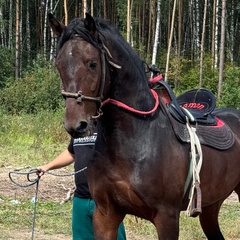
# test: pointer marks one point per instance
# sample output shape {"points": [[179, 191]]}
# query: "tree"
{"points": [[202, 43], [170, 40], [84, 7], [214, 32], [128, 20], [156, 39], [17, 49], [66, 12], [180, 9], [222, 44]]}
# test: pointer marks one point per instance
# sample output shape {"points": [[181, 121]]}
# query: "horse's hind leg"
{"points": [[209, 221]]}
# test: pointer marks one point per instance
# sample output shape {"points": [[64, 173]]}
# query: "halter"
{"points": [[79, 95], [105, 54]]}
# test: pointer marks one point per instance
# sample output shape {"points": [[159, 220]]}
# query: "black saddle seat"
{"points": [[200, 103], [196, 104]]}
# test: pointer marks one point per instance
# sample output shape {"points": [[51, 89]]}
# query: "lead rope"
{"points": [[36, 181], [194, 208], [35, 208]]}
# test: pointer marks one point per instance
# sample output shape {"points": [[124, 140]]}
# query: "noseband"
{"points": [[80, 97]]}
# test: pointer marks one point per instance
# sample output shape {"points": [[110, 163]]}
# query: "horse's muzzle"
{"points": [[80, 131]]}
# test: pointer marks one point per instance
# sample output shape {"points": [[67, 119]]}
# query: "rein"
{"points": [[130, 109]]}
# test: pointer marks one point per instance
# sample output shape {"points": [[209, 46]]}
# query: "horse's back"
{"points": [[231, 117], [227, 112]]}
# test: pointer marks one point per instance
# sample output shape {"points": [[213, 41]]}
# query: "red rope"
{"points": [[124, 106], [156, 79]]}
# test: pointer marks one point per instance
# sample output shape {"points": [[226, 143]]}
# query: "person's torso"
{"points": [[83, 150]]}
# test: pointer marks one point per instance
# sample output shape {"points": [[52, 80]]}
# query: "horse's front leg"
{"points": [[167, 223], [106, 226]]}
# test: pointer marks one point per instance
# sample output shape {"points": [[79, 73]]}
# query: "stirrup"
{"points": [[197, 204]]}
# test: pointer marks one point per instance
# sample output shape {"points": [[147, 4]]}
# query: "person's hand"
{"points": [[42, 170]]}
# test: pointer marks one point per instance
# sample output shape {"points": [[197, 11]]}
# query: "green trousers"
{"points": [[82, 215]]}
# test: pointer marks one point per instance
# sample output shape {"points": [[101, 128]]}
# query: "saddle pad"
{"points": [[219, 137]]}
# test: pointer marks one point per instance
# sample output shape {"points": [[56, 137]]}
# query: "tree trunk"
{"points": [[76, 9], [2, 30], [202, 43], [92, 12], [170, 40], [231, 34], [28, 34], [222, 44], [84, 7], [150, 23], [156, 40], [45, 30], [104, 9], [180, 6], [10, 37], [143, 22], [66, 12], [53, 41], [213, 33], [216, 35], [17, 55], [128, 20]]}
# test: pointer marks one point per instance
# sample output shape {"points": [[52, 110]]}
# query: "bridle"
{"points": [[106, 56], [79, 95]]}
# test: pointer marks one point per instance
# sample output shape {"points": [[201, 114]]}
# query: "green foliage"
{"points": [[7, 67], [231, 88], [39, 89], [45, 127], [184, 74]]}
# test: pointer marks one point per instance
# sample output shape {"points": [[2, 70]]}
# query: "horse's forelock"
{"points": [[76, 27]]}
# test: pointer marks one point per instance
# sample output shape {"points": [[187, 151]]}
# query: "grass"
{"points": [[51, 217], [34, 140], [190, 228], [55, 218]]}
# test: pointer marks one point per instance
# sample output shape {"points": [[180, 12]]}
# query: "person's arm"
{"points": [[62, 160]]}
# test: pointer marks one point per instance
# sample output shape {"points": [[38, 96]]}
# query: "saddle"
{"points": [[195, 106]]}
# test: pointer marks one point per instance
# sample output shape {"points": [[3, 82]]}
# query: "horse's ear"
{"points": [[55, 25], [90, 25]]}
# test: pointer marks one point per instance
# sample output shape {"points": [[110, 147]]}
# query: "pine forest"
{"points": [[195, 43]]}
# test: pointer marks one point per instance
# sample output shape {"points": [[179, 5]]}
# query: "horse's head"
{"points": [[96, 63], [81, 63]]}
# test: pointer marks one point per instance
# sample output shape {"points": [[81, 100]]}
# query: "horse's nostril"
{"points": [[82, 127]]}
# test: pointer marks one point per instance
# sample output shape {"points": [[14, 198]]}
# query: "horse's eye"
{"points": [[92, 65]]}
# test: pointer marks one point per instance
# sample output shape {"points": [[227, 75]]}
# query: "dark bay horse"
{"points": [[139, 166]]}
